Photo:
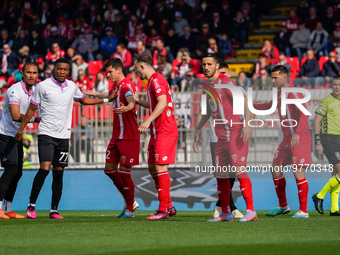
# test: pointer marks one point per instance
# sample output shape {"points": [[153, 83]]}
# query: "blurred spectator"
{"points": [[292, 21], [243, 81], [217, 25], [141, 50], [303, 10], [248, 15], [25, 56], [131, 27], [45, 14], [17, 27], [321, 7], [271, 52], [69, 54], [12, 12], [281, 40], [134, 78], [318, 41], [187, 41], [78, 64], [126, 12], [47, 73], [83, 82], [110, 13], [202, 40], [93, 13], [299, 40], [261, 64], [264, 82], [329, 69], [164, 67], [238, 29], [328, 21], [179, 69], [312, 19], [8, 60], [41, 68], [54, 38], [47, 31], [138, 36], [161, 50], [213, 48], [309, 71], [27, 160], [124, 55], [82, 141], [334, 37], [225, 44], [108, 44], [152, 39], [226, 12], [119, 28], [99, 26], [62, 27], [171, 40], [36, 25], [188, 83], [159, 12], [179, 23], [101, 85], [20, 41], [36, 44], [283, 62], [5, 40], [54, 54], [184, 8], [142, 11], [86, 44], [201, 15]]}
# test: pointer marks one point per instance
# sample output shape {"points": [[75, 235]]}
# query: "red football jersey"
{"points": [[224, 109], [164, 124], [125, 125], [292, 113]]}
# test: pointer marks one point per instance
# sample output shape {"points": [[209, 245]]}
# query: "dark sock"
{"points": [[218, 203], [232, 205], [57, 187], [38, 182], [13, 185], [6, 179]]}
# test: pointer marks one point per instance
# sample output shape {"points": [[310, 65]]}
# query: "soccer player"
{"points": [[55, 96], [232, 145], [123, 148], [223, 69], [17, 101], [329, 143], [164, 133], [295, 148]]}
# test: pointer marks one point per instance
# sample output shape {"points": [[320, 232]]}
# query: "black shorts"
{"points": [[53, 150], [10, 151], [331, 148]]}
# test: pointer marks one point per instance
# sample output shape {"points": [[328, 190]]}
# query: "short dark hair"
{"points": [[145, 59], [62, 60], [336, 77], [281, 69], [211, 55], [29, 64], [115, 63], [223, 65], [121, 45], [160, 39]]}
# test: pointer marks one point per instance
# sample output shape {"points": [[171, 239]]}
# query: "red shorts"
{"points": [[162, 151], [286, 155], [124, 152], [234, 152]]}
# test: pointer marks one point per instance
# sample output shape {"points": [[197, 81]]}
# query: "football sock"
{"points": [[57, 187], [6, 206], [6, 178], [280, 187], [162, 181], [335, 198], [232, 205], [223, 192], [246, 189], [38, 182], [218, 203], [129, 189], [13, 185], [302, 185], [332, 182], [116, 178]]}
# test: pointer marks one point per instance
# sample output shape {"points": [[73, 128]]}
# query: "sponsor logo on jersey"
{"points": [[320, 107], [131, 160], [294, 160], [234, 157], [302, 160], [156, 157], [165, 158], [158, 90], [276, 154], [123, 159], [243, 158], [170, 104]]}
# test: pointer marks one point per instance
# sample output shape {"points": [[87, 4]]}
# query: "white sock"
{"points": [[7, 206], [0, 204], [53, 211]]}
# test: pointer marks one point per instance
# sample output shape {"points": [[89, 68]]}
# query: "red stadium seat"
{"points": [[322, 61], [303, 60], [10, 81], [95, 67], [295, 67]]}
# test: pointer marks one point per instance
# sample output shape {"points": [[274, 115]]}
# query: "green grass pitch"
{"points": [[100, 232]]}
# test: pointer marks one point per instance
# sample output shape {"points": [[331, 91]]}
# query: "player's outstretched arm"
{"points": [[131, 105], [27, 118], [93, 101], [94, 93], [316, 128], [143, 103]]}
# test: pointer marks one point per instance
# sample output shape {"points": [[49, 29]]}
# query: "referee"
{"points": [[328, 142]]}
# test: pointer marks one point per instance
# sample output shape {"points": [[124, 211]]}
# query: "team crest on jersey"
{"points": [[337, 155], [320, 107], [234, 157], [168, 112], [123, 159], [156, 157], [212, 105], [294, 160]]}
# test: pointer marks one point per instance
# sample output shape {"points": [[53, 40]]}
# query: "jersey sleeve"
{"points": [[14, 97], [126, 91], [77, 94], [322, 108], [37, 95], [158, 87]]}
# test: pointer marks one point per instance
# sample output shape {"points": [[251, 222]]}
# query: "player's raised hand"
{"points": [[135, 96], [113, 95], [246, 133], [319, 149], [295, 141], [121, 109], [88, 92], [143, 127]]}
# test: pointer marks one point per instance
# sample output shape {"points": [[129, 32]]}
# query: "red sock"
{"points": [[280, 187], [223, 192], [246, 189], [162, 181], [303, 193], [129, 189], [116, 178]]}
